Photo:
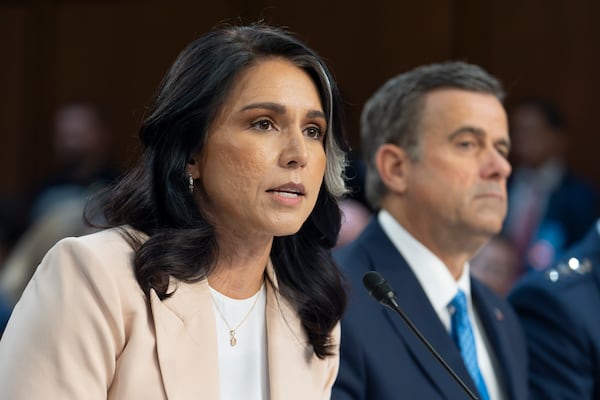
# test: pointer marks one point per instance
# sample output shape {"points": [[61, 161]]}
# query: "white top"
{"points": [[243, 369], [440, 287]]}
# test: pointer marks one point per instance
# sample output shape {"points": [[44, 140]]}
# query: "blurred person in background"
{"points": [[13, 221], [355, 217], [558, 308], [81, 146], [12, 225], [497, 265], [64, 219], [356, 212], [550, 206]]}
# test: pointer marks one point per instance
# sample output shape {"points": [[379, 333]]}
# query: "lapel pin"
{"points": [[499, 314]]}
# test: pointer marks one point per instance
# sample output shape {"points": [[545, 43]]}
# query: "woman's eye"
{"points": [[313, 132], [263, 124]]}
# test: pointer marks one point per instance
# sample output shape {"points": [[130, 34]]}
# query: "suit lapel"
{"points": [[415, 304], [186, 342], [492, 319]]}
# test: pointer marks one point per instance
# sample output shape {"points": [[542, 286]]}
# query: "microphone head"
{"points": [[378, 287]]}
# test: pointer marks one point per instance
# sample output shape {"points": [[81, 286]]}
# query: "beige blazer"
{"points": [[83, 329]]}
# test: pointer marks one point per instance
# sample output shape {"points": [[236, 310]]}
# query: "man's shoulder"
{"points": [[567, 273], [352, 258], [368, 241], [568, 282]]}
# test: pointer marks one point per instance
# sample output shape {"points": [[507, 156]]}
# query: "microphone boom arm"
{"points": [[383, 293]]}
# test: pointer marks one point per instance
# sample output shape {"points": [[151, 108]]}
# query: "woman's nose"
{"points": [[295, 151]]}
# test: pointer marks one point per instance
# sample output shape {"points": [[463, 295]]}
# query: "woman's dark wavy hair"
{"points": [[154, 198]]}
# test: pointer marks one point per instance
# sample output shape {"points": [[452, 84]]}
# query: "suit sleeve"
{"points": [[66, 331], [559, 353]]}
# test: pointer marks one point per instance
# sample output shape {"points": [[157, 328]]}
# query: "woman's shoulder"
{"points": [[105, 255], [107, 243]]}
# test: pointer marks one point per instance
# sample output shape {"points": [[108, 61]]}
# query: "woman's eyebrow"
{"points": [[280, 109], [316, 114]]}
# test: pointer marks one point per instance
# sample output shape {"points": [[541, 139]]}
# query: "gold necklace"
{"points": [[232, 338]]}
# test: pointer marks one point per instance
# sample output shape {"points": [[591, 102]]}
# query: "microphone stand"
{"points": [[393, 304], [381, 291]]}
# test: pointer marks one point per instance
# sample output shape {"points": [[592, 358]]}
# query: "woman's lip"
{"points": [[286, 197], [296, 188]]}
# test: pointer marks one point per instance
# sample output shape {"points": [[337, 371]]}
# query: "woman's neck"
{"points": [[240, 269]]}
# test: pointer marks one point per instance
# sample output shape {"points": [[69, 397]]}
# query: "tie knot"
{"points": [[459, 303]]}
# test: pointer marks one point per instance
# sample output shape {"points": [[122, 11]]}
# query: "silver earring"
{"points": [[191, 183]]}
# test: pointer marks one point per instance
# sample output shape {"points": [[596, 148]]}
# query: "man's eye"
{"points": [[467, 144], [503, 153]]}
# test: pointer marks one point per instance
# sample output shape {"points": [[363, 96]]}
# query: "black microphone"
{"points": [[381, 291]]}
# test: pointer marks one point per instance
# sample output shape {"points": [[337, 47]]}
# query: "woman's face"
{"points": [[263, 163]]}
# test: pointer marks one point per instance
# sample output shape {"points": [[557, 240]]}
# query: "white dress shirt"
{"points": [[440, 288]]}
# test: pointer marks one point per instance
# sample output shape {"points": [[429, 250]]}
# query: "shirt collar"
{"points": [[433, 275]]}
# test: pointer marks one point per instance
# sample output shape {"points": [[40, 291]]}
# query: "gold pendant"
{"points": [[233, 340]]}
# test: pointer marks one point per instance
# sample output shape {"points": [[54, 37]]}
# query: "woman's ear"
{"points": [[393, 166], [193, 166]]}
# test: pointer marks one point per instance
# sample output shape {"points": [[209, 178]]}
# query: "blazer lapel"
{"points": [[295, 373], [415, 304], [188, 355], [186, 342]]}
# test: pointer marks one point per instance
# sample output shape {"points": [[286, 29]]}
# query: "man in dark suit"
{"points": [[436, 142], [559, 309]]}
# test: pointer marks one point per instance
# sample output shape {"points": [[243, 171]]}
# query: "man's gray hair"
{"points": [[393, 113]]}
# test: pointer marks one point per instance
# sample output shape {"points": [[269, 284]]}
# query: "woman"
{"points": [[215, 280]]}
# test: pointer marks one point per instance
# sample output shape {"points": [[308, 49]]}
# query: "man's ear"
{"points": [[393, 166]]}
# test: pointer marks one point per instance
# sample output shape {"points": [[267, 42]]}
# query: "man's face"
{"points": [[457, 187]]}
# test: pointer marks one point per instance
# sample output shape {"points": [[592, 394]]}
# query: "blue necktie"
{"points": [[462, 333]]}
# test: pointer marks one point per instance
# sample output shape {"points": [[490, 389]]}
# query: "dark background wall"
{"points": [[115, 53]]}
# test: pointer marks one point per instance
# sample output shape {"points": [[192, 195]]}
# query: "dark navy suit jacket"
{"points": [[381, 359], [574, 205], [560, 312]]}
